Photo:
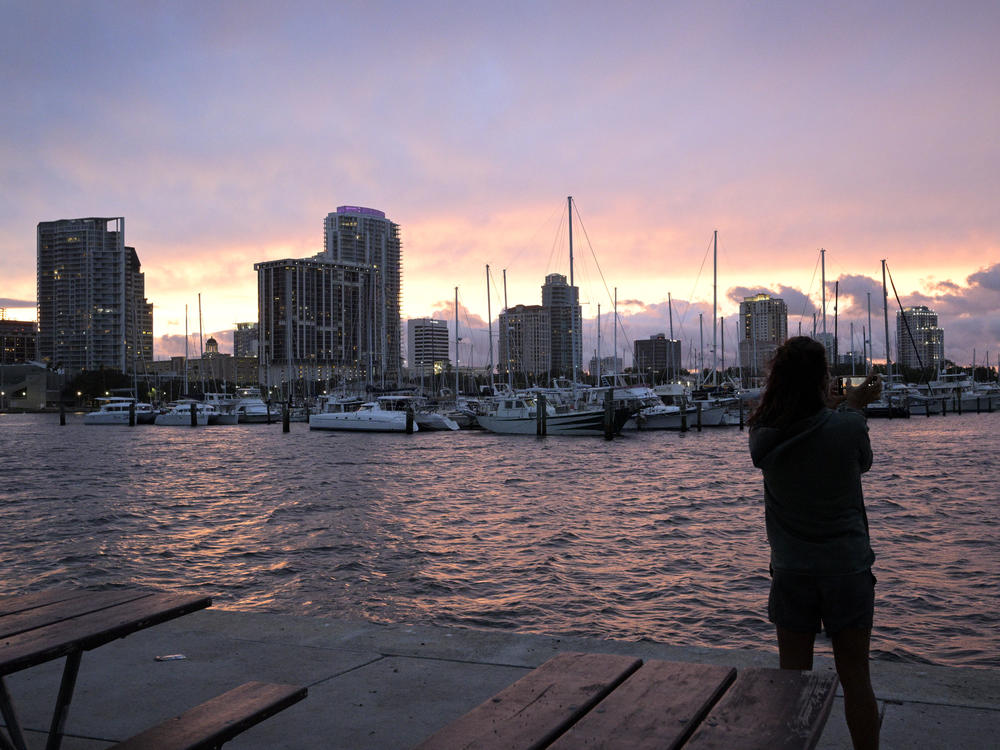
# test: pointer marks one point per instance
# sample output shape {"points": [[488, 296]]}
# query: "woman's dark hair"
{"points": [[796, 384]]}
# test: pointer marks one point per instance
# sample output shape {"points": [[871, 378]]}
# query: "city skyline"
{"points": [[222, 135]]}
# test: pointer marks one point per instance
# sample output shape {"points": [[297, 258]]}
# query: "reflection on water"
{"points": [[657, 535]]}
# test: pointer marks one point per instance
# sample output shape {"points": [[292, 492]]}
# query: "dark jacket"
{"points": [[813, 507]]}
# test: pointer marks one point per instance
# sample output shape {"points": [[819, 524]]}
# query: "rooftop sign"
{"points": [[360, 210]]}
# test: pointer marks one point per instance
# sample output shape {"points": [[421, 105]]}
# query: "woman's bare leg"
{"points": [[795, 649], [850, 651]]}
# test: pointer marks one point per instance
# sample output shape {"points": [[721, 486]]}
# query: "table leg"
{"points": [[16, 741], [62, 702]]}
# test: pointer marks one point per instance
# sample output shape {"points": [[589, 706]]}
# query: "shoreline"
{"points": [[391, 686]]}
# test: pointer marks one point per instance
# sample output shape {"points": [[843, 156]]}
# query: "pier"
{"points": [[391, 686]]}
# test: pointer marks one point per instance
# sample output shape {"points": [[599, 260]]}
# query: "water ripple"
{"points": [[655, 536]]}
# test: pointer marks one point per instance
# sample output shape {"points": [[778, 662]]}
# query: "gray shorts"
{"points": [[799, 602]]}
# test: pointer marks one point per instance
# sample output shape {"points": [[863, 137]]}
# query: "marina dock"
{"points": [[390, 686]]}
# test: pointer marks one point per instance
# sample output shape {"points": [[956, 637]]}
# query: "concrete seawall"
{"points": [[390, 686]]}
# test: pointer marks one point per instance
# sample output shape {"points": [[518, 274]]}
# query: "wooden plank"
{"points": [[536, 709], [64, 609], [94, 629], [217, 720], [659, 706], [769, 709], [20, 602]]}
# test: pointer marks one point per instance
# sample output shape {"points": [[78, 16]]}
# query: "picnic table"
{"points": [[39, 627], [586, 700]]}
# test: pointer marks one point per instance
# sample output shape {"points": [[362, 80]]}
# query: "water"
{"points": [[654, 536]]}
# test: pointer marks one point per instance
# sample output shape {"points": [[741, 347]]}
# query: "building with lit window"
{"points": [[18, 341], [919, 339], [763, 328], [566, 321], [605, 365], [657, 355], [336, 315], [92, 309], [427, 346], [246, 339], [525, 337]]}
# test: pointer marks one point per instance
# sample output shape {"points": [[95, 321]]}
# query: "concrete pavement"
{"points": [[389, 686]]}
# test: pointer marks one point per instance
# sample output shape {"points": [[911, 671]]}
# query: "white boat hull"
{"points": [[670, 421], [257, 418], [175, 419], [361, 422], [105, 418], [435, 421], [590, 422]]}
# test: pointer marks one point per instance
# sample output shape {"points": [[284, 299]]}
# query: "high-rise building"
{"points": [[354, 234], [919, 340], [566, 320], [315, 322], [92, 310], [656, 355], [427, 346], [18, 340], [605, 366], [763, 328], [246, 339], [525, 336], [335, 315]]}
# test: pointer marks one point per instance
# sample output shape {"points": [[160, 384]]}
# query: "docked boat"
{"points": [[518, 415], [252, 409], [116, 410], [353, 415], [225, 409], [650, 413], [179, 414], [423, 415]]}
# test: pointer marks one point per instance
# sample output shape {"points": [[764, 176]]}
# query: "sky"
{"points": [[225, 132]]}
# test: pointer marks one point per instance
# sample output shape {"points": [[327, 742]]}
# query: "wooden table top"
{"points": [[578, 700], [39, 627]]}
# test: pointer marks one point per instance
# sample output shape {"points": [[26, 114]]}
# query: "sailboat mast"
{"points": [[715, 302], [868, 343], [614, 327], [506, 334], [722, 340], [489, 323], [670, 317], [885, 315], [572, 307], [701, 346], [598, 381], [185, 350], [836, 327], [456, 345], [822, 255]]}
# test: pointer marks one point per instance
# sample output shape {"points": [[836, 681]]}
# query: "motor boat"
{"points": [[355, 415], [518, 415], [426, 417], [225, 406], [116, 409], [251, 408], [179, 414]]}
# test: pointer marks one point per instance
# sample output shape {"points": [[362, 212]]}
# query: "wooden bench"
{"points": [[608, 701], [210, 724]]}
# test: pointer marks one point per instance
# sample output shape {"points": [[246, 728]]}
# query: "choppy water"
{"points": [[654, 536]]}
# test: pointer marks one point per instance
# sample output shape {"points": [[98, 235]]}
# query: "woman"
{"points": [[812, 457]]}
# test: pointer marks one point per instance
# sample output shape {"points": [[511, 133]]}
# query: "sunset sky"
{"points": [[225, 132]]}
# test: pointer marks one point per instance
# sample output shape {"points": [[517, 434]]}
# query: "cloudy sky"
{"points": [[225, 132]]}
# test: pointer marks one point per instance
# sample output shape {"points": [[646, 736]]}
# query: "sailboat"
{"points": [[518, 414]]}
